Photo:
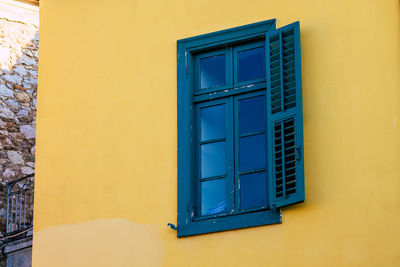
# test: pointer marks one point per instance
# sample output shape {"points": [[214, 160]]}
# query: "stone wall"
{"points": [[19, 252], [19, 45]]}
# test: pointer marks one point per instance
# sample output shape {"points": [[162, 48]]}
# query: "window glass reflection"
{"points": [[213, 159], [212, 71], [252, 152], [212, 121], [213, 196], [252, 114], [253, 190], [251, 64]]}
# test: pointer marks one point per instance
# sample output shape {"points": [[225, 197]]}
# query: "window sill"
{"points": [[238, 221]]}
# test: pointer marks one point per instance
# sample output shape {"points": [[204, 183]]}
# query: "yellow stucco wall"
{"points": [[106, 135]]}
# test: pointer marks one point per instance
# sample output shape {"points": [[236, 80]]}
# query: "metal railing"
{"points": [[19, 216]]}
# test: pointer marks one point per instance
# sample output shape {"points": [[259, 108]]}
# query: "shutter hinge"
{"points": [[298, 153]]}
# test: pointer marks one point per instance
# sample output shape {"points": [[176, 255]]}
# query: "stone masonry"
{"points": [[19, 43]]}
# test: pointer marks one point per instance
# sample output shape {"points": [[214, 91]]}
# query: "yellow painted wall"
{"points": [[106, 135]]}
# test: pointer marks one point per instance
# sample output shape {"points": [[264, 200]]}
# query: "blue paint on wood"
{"points": [[283, 110]]}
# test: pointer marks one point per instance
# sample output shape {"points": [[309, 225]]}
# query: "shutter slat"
{"points": [[286, 175], [291, 90], [288, 58], [289, 77], [276, 76], [288, 65], [290, 84], [276, 83], [288, 50], [276, 70], [288, 70]]}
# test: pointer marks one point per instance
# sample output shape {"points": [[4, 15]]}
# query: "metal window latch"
{"points": [[172, 226], [298, 153]]}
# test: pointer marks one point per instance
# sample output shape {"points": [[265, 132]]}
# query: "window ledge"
{"points": [[231, 222]]}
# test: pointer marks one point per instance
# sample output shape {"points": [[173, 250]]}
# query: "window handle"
{"points": [[172, 226]]}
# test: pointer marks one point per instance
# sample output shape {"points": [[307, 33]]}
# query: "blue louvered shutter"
{"points": [[285, 121]]}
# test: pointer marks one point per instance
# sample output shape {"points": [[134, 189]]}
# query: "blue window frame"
{"points": [[240, 129]]}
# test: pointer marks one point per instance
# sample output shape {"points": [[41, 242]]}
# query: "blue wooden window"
{"points": [[240, 132]]}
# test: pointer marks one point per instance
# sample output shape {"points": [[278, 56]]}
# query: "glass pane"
{"points": [[252, 152], [252, 114], [212, 122], [251, 64], [213, 196], [212, 71], [213, 159], [253, 190]]}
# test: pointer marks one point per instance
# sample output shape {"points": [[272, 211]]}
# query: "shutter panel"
{"points": [[285, 116]]}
